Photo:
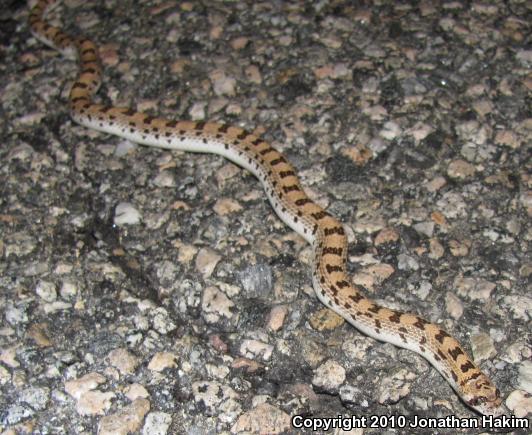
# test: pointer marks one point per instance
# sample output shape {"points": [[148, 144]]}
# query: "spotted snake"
{"points": [[322, 231]]}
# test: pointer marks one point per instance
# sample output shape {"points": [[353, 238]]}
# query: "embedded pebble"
{"points": [[216, 400], [482, 347], [197, 111], [17, 413], [68, 290], [157, 423], [123, 360], [453, 305], [5, 376], [161, 361], [77, 387], [206, 261], [215, 304], [520, 307], [394, 387], [459, 248], [161, 321], [264, 418], [386, 235], [525, 376], [46, 291], [256, 349], [127, 420], [460, 169], [134, 391], [436, 249], [222, 85], [165, 179], [329, 376], [126, 214], [257, 280], [15, 315], [94, 403], [124, 147], [476, 289], [407, 262], [8, 356], [276, 317], [325, 320], [226, 206], [35, 397], [426, 228], [520, 402], [390, 130]]}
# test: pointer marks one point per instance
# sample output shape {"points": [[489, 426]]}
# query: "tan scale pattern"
{"points": [[280, 181]]}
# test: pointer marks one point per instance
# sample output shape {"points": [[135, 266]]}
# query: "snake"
{"points": [[325, 234]]}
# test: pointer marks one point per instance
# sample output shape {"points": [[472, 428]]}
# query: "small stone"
{"points": [[508, 138], [276, 317], [134, 391], [460, 169], [35, 397], [253, 74], [329, 376], [453, 305], [46, 291], [226, 206], [474, 288], [161, 361], [68, 290], [436, 249], [94, 403], [165, 179], [524, 378], [239, 43], [218, 343], [126, 214], [460, 248], [520, 402], [77, 387], [482, 347], [215, 304], [265, 418], [216, 399], [125, 147], [222, 85], [206, 261], [325, 320], [123, 360], [39, 333], [162, 322], [15, 414], [8, 356], [256, 349], [247, 364], [435, 184], [127, 420], [407, 262], [390, 130], [5, 376], [483, 107], [386, 235], [15, 315], [394, 387], [157, 423], [197, 111]]}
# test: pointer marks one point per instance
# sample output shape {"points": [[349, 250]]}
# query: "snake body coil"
{"points": [[281, 184]]}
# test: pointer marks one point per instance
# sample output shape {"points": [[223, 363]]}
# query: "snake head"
{"points": [[481, 395]]}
